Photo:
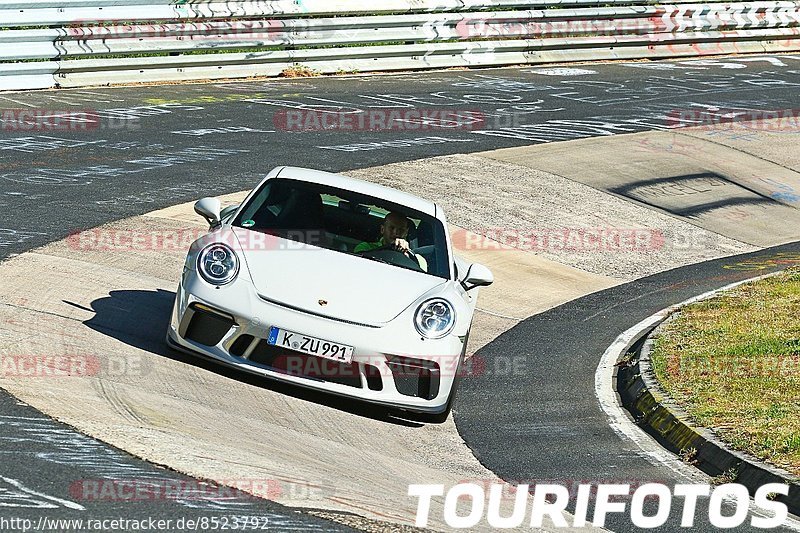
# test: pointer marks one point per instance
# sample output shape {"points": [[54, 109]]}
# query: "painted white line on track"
{"points": [[563, 71], [618, 418], [17, 101], [66, 503], [499, 315]]}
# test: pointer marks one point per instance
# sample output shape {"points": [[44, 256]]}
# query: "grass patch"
{"points": [[299, 71], [733, 363]]}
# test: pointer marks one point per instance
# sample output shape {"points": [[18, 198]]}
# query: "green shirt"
{"points": [[367, 246]]}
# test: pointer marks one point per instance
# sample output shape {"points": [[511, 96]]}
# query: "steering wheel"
{"points": [[392, 255]]}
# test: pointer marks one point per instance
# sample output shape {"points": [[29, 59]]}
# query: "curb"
{"points": [[659, 416]]}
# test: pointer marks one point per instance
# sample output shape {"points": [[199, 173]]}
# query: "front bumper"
{"points": [[392, 365]]}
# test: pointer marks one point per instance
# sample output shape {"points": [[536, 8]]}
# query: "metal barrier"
{"points": [[93, 42]]}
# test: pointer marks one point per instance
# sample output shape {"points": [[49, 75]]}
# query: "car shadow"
{"points": [[139, 318]]}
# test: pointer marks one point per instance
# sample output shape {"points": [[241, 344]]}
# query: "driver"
{"points": [[394, 232]]}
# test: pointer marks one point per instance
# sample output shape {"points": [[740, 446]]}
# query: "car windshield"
{"points": [[347, 222]]}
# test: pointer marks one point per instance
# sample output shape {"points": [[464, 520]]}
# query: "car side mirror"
{"points": [[477, 276], [228, 212], [209, 209]]}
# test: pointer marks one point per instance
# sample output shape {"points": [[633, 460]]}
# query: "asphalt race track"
{"points": [[159, 146]]}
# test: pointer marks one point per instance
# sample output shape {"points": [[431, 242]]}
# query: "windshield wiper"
{"points": [[384, 261]]}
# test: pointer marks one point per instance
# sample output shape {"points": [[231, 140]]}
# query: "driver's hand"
{"points": [[401, 245]]}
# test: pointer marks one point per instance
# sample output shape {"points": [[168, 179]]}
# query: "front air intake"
{"points": [[241, 344], [205, 325], [415, 377]]}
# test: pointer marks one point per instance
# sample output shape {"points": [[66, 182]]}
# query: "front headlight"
{"points": [[435, 318], [218, 264]]}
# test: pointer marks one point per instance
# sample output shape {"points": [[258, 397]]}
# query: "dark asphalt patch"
{"points": [[50, 472]]}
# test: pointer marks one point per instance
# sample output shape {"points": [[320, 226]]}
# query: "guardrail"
{"points": [[94, 42]]}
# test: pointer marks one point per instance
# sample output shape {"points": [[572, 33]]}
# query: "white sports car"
{"points": [[334, 284]]}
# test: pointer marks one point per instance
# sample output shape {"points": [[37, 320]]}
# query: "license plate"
{"points": [[310, 345]]}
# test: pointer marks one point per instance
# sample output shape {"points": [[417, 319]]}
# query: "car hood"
{"points": [[352, 288]]}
